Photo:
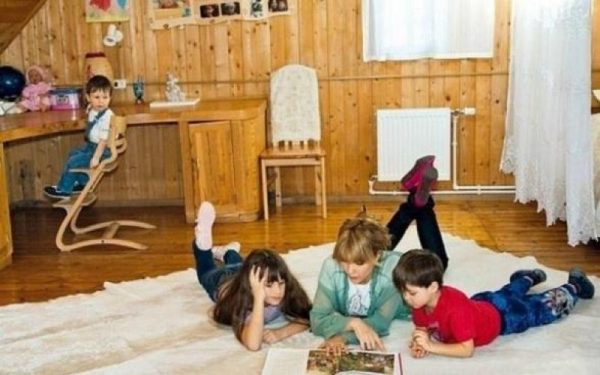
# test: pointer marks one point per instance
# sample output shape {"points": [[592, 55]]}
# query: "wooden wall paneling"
{"points": [[306, 44], [13, 56], [149, 55], [351, 129], [236, 59], [336, 28], [325, 111], [194, 60], [367, 140], [501, 37], [172, 182], [335, 133], [220, 62], [133, 162], [421, 85], [70, 42], [248, 35], [44, 42], [321, 41], [29, 43], [365, 117], [164, 58], [497, 130], [407, 85], [133, 47], [437, 69], [480, 153], [154, 172], [351, 172], [452, 96], [208, 68], [277, 40], [292, 47], [466, 124]]}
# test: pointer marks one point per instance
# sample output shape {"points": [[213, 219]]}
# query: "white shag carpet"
{"points": [[161, 326]]}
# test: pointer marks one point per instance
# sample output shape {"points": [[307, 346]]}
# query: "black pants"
{"points": [[427, 227]]}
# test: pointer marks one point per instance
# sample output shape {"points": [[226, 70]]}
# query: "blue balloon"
{"points": [[12, 82], [122, 3]]}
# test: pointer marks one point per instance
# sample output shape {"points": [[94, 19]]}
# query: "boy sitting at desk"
{"points": [[98, 91]]}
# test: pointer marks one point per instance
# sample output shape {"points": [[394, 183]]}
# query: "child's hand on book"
{"points": [[335, 345], [369, 339]]}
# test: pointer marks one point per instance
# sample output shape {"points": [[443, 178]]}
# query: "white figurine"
{"points": [[173, 91]]}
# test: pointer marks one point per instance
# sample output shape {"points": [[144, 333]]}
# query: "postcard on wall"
{"points": [[319, 362], [170, 13], [106, 10]]}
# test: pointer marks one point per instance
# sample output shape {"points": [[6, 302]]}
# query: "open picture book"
{"points": [[319, 362]]}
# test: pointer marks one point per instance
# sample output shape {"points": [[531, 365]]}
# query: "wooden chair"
{"points": [[295, 132], [74, 204]]}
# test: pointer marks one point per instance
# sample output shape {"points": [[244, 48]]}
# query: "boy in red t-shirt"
{"points": [[449, 323]]}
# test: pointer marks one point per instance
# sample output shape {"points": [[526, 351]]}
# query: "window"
{"points": [[415, 29]]}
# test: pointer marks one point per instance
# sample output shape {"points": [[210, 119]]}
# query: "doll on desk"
{"points": [[36, 95]]}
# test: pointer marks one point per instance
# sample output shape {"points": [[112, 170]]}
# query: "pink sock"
{"points": [[204, 223]]}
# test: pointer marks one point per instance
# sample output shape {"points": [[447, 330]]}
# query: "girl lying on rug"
{"points": [[356, 300], [248, 293], [450, 324]]}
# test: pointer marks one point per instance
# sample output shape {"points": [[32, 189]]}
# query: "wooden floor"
{"points": [[40, 272]]}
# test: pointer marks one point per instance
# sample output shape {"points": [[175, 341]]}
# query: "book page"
{"points": [[319, 362]]}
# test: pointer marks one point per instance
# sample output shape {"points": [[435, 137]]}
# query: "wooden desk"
{"points": [[242, 122]]}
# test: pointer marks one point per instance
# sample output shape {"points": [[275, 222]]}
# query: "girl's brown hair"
{"points": [[361, 240], [235, 298]]}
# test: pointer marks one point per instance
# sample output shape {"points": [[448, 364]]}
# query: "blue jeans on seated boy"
{"points": [[79, 157], [209, 275]]}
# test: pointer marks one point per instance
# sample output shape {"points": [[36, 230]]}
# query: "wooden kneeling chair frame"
{"points": [[73, 205]]}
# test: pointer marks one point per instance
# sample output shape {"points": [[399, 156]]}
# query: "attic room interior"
{"points": [[203, 91]]}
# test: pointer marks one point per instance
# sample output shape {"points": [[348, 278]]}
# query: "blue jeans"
{"points": [[209, 275], [427, 227], [79, 157], [520, 311]]}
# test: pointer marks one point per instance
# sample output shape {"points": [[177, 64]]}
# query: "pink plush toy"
{"points": [[36, 95]]}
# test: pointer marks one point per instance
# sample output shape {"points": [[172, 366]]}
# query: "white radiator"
{"points": [[404, 135]]}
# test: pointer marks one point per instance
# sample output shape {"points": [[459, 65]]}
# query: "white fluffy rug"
{"points": [[161, 326]]}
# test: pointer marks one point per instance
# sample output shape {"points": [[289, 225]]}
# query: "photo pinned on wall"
{"points": [[277, 6], [106, 10], [170, 13], [208, 11]]}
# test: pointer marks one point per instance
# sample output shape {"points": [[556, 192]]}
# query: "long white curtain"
{"points": [[548, 124], [415, 29]]}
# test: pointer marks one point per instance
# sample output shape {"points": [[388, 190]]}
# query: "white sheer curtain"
{"points": [[548, 124], [414, 29]]}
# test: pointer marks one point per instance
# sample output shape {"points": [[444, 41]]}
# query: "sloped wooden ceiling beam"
{"points": [[14, 15]]}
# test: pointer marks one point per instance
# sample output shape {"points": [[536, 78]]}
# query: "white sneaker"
{"points": [[204, 222], [219, 251]]}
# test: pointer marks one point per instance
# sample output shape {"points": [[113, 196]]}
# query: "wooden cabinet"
{"points": [[220, 161]]}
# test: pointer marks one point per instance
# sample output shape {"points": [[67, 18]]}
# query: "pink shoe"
{"points": [[414, 176], [204, 222], [429, 178], [219, 251]]}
